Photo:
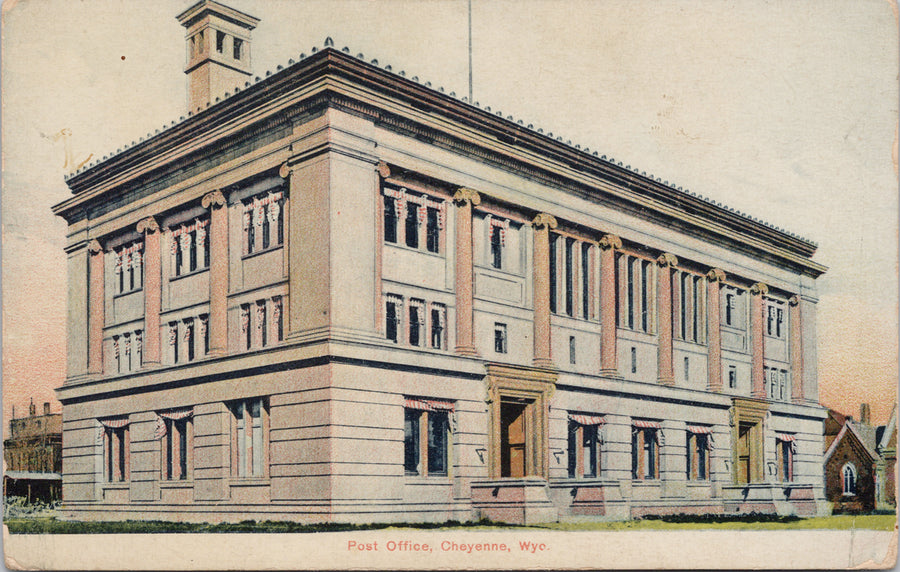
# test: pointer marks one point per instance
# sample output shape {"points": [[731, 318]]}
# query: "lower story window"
{"points": [[500, 338], [249, 437], [584, 446], [848, 474], [116, 449], [645, 450], [175, 431], [784, 456], [699, 444], [426, 437]]}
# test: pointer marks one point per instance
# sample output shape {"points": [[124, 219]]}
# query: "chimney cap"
{"points": [[201, 8]]}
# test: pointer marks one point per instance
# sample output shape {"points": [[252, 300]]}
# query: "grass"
{"points": [[50, 525]]}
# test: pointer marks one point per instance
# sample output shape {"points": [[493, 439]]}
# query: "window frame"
{"points": [[421, 426], [849, 486], [698, 449], [265, 235], [584, 439], [254, 464], [501, 338], [116, 453], [645, 453], [183, 430], [784, 459]]}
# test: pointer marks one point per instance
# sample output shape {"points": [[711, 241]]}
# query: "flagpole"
{"points": [[472, 101]]}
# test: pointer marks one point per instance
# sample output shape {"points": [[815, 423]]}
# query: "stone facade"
{"points": [[340, 295]]}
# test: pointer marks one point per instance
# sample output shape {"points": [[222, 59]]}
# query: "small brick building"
{"points": [[33, 456], [849, 466]]}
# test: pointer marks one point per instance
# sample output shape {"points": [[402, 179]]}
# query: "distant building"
{"points": [[337, 293], [33, 456], [849, 464], [886, 465]]}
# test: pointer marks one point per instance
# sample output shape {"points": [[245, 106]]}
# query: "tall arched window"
{"points": [[849, 479]]}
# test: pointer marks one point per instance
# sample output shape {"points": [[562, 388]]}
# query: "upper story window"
{"points": [[414, 220], [734, 308], [776, 381], [690, 308], [128, 351], [775, 319], [220, 41], [420, 324], [500, 338], [263, 222], [497, 231], [237, 45], [571, 280], [262, 323], [129, 267], [635, 293], [189, 247]]}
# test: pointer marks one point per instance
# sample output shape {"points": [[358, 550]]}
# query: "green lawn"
{"points": [[50, 525]]}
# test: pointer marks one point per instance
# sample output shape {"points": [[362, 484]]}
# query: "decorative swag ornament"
{"points": [[181, 236], [402, 196], [255, 211], [174, 415], [502, 225], [129, 257]]}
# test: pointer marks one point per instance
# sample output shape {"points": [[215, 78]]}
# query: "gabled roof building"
{"points": [[337, 294]]}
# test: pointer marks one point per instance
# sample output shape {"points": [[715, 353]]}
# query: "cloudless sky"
{"points": [[786, 110]]}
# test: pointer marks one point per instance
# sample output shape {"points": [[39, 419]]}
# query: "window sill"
{"points": [[188, 274], [249, 482], [655, 482], [691, 342], [502, 271], [119, 485], [428, 480], [123, 294], [424, 251], [256, 253], [176, 484]]}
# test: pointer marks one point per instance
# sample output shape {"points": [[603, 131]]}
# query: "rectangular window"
{"points": [[630, 293], [412, 225], [392, 319], [204, 332], [583, 451], [249, 439], [263, 222], [572, 350], [779, 321], [116, 445], [500, 340], [426, 439], [176, 446], [695, 314], [189, 339], [729, 309], [220, 41], [246, 331], [278, 305], [570, 290], [685, 292], [129, 267], [732, 377], [553, 243], [496, 247], [633, 360], [585, 281], [262, 323], [432, 231], [390, 220], [237, 45], [438, 320], [697, 456], [770, 321], [416, 321], [687, 368], [644, 453], [173, 341], [645, 290], [784, 453]]}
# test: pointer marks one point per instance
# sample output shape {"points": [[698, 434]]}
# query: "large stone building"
{"points": [[336, 293]]}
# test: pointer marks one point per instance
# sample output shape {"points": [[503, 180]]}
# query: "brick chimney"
{"points": [[217, 39], [32, 410], [46, 408], [865, 413]]}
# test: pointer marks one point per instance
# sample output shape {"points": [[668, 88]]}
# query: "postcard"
{"points": [[398, 284]]}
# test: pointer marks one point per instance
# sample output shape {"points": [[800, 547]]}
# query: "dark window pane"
{"points": [[432, 234], [438, 427], [390, 325], [573, 449], [390, 221], [414, 333], [553, 273], [412, 225], [411, 442], [496, 248]]}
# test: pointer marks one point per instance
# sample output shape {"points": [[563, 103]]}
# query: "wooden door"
{"points": [[512, 439], [743, 453]]}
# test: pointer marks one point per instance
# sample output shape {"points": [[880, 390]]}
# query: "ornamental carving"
{"points": [[667, 259], [94, 247], [759, 289], [794, 300], [285, 170], [544, 220], [213, 199], [716, 275], [465, 195], [383, 169], [610, 241], [148, 226]]}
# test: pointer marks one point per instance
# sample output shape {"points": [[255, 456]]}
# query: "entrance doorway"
{"points": [[745, 430], [513, 429]]}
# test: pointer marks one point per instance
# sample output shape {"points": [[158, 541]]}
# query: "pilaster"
{"points": [[152, 289], [465, 200], [714, 358], [542, 224], [796, 350], [218, 272], [757, 337], [608, 245], [96, 307], [665, 373]]}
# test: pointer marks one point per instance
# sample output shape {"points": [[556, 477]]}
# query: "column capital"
{"points": [[285, 170], [465, 195], [667, 259], [610, 241], [716, 275], [213, 199], [759, 289], [794, 300], [544, 220], [94, 246], [383, 169], [148, 226]]}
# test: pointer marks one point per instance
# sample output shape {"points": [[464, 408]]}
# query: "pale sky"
{"points": [[786, 110]]}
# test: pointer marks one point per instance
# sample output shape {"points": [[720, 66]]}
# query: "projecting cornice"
{"points": [[331, 78]]}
